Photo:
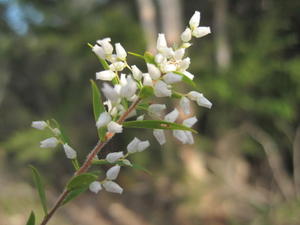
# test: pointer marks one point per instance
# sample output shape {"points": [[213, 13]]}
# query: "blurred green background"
{"points": [[245, 165]]}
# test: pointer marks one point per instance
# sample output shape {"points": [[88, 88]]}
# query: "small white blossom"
{"points": [[167, 67], [156, 109], [185, 63], [181, 136], [159, 136], [143, 145], [185, 105], [129, 89], [147, 81], [132, 147], [105, 75], [200, 99], [161, 89], [201, 32], [171, 78], [121, 53], [98, 51], [56, 131], [195, 20], [113, 187], [114, 127], [113, 172], [110, 93], [167, 52], [153, 71], [136, 72], [40, 125], [95, 187], [159, 58], [114, 156], [186, 35], [105, 44], [117, 66], [161, 42], [190, 121], [141, 117], [70, 152], [49, 143], [172, 116], [179, 53], [126, 162], [189, 137], [103, 119]]}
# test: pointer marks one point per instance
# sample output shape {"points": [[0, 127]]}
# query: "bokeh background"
{"points": [[245, 165]]}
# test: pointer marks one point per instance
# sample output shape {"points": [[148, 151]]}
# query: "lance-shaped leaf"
{"points": [[146, 92], [156, 124], [185, 79], [40, 187], [73, 194], [102, 61], [136, 54], [81, 181], [98, 107], [31, 219]]}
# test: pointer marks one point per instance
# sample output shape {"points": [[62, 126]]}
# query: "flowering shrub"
{"points": [[127, 92]]}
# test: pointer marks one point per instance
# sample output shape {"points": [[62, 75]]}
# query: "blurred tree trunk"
{"points": [[223, 51], [148, 15]]}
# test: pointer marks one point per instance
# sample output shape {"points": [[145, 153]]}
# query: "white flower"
{"points": [[49, 143], [161, 89], [113, 187], [117, 66], [156, 109], [179, 53], [105, 75], [40, 125], [154, 72], [185, 105], [70, 152], [186, 35], [103, 119], [171, 78], [190, 121], [200, 99], [181, 136], [137, 74], [141, 117], [161, 42], [195, 20], [113, 172], [114, 156], [95, 187], [114, 127], [110, 93], [185, 63], [189, 137], [147, 81], [132, 147], [121, 53], [98, 51], [143, 145], [105, 44], [159, 58], [167, 52], [129, 89], [172, 116], [201, 31], [159, 136], [167, 67]]}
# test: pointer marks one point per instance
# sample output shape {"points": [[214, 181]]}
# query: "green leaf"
{"points": [[81, 181], [146, 92], [136, 54], [156, 124], [185, 79], [98, 107], [138, 167], [73, 194], [149, 58], [40, 187], [31, 219], [176, 94], [62, 135]]}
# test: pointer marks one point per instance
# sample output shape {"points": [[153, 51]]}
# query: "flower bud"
{"points": [[156, 109], [141, 117], [172, 116], [105, 75], [132, 147], [159, 58], [95, 187], [129, 89], [117, 66], [113, 187], [114, 127], [195, 20], [180, 135], [70, 152], [161, 89], [40, 125], [126, 162], [56, 131], [121, 53], [200, 99], [189, 137], [161, 42], [201, 31], [185, 105], [99, 51], [105, 44], [179, 53], [49, 143], [147, 80], [186, 35], [110, 93], [154, 72], [185, 63], [137, 74], [190, 121], [159, 136], [143, 145], [114, 156], [171, 78], [113, 172], [103, 120]]}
